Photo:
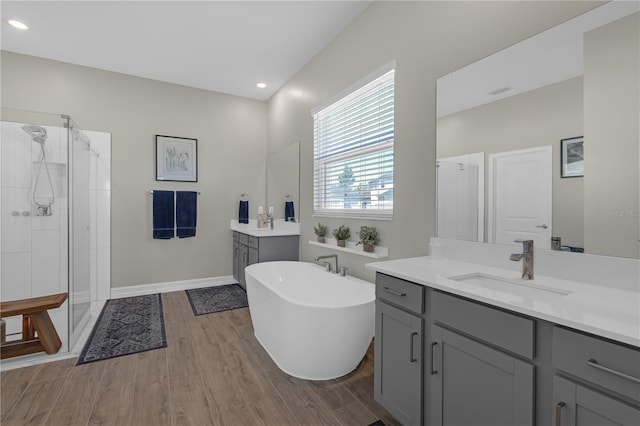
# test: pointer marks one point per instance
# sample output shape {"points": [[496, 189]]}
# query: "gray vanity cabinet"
{"points": [[578, 405], [484, 365], [481, 379], [398, 366], [398, 370], [248, 249], [473, 384], [605, 384]]}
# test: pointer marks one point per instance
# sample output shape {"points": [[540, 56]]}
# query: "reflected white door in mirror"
{"points": [[520, 196]]}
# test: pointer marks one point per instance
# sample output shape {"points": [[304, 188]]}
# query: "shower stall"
{"points": [[48, 208]]}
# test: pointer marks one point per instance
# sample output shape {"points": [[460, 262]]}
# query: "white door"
{"points": [[520, 194]]}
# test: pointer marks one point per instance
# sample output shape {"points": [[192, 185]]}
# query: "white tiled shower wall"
{"points": [[35, 248]]}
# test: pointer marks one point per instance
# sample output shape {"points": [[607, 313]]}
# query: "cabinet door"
{"points": [[473, 384], [252, 256], [576, 405], [243, 262], [236, 259], [398, 366]]}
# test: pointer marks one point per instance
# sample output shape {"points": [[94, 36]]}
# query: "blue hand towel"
{"points": [[186, 213], [243, 212], [289, 211], [163, 223]]}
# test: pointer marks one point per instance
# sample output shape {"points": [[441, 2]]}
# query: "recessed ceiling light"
{"points": [[261, 85], [17, 24]]}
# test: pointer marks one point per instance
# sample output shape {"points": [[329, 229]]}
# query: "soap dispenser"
{"points": [[435, 249], [262, 218]]}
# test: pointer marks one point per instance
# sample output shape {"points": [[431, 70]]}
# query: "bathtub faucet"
{"points": [[330, 256]]}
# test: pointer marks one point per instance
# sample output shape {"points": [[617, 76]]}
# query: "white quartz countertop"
{"points": [[281, 228], [603, 311]]}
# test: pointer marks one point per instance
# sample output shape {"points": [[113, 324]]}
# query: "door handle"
{"points": [[396, 293], [594, 363], [559, 407], [543, 226], [431, 370], [411, 358]]}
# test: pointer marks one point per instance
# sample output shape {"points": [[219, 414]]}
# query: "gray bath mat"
{"points": [[126, 326], [217, 299]]}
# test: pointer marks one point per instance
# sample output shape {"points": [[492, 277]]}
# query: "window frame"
{"points": [[319, 206]]}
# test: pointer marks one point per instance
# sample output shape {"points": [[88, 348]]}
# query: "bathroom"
{"points": [[236, 134]]}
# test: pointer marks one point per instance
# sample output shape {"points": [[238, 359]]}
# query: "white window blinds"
{"points": [[353, 153]]}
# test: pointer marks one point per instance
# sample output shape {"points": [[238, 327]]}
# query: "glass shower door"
{"points": [[79, 229]]}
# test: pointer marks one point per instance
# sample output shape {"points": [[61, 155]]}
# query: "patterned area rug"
{"points": [[126, 326], [217, 299]]}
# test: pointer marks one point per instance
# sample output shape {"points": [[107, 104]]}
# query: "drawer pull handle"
{"points": [[559, 407], [411, 358], [594, 363], [396, 293], [431, 370]]}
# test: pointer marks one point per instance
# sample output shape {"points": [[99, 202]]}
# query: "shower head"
{"points": [[37, 133]]}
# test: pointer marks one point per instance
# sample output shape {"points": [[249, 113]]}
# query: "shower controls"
{"points": [[15, 213], [44, 211], [26, 213]]}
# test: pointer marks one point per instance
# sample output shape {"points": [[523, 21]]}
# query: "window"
{"points": [[353, 152]]}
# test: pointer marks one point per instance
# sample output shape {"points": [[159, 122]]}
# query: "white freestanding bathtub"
{"points": [[315, 325]]}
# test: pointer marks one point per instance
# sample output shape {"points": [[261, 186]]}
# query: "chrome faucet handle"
{"points": [[527, 245], [327, 266], [343, 271]]}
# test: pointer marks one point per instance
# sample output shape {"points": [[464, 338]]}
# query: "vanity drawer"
{"points": [[605, 363], [242, 238], [253, 241], [511, 332], [403, 293]]}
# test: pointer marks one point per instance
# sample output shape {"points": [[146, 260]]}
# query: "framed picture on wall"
{"points": [[572, 157], [176, 159]]}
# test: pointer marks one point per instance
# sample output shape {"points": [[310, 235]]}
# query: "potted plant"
{"points": [[321, 231], [342, 234], [368, 238]]}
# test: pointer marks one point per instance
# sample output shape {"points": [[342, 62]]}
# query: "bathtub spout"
{"points": [[330, 256]]}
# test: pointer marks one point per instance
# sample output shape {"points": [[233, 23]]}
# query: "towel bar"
{"points": [[151, 192]]}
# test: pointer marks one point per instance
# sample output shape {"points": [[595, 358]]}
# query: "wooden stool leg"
{"points": [[27, 328], [46, 332]]}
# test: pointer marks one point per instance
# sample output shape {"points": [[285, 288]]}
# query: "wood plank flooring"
{"points": [[212, 372]]}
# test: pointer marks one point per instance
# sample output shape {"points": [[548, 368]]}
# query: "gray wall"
{"points": [[427, 40], [231, 133], [535, 118], [612, 119]]}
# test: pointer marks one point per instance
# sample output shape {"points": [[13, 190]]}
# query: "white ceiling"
{"points": [[222, 46]]}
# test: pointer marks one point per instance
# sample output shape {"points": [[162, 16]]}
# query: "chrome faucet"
{"points": [[330, 256], [527, 258]]}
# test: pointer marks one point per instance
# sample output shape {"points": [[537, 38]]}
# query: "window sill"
{"points": [[351, 247]]}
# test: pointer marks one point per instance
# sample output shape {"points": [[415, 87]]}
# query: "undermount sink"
{"points": [[518, 288]]}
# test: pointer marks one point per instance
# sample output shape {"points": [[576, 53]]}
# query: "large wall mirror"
{"points": [[541, 140], [283, 181]]}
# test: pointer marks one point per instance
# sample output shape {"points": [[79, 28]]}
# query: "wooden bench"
{"points": [[35, 320]]}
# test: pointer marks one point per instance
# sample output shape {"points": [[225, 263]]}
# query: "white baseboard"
{"points": [[143, 289]]}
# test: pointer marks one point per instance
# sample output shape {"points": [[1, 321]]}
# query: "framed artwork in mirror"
{"points": [[176, 159], [572, 157]]}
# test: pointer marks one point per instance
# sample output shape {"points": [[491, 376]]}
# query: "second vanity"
{"points": [[455, 345], [252, 244]]}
